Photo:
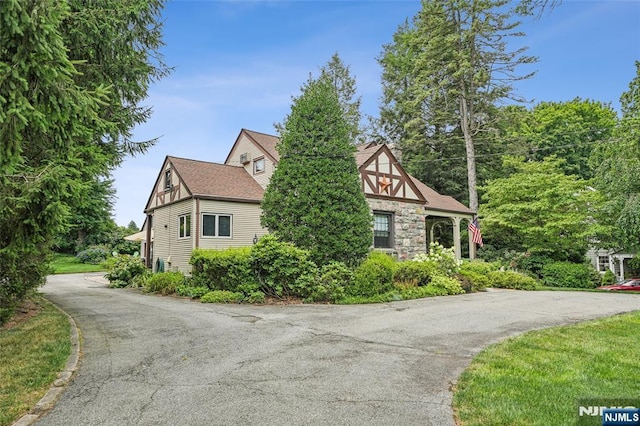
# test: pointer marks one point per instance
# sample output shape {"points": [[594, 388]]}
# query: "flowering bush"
{"points": [[444, 258]]}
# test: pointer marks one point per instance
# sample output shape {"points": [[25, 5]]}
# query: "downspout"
{"points": [[147, 249]]}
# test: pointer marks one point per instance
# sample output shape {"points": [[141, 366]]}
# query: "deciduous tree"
{"points": [[546, 211]]}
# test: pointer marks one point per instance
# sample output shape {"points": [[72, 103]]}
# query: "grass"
{"points": [[537, 378], [32, 354], [69, 264]]}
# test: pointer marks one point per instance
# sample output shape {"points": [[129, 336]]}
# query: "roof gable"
{"points": [[383, 176], [202, 179], [263, 142]]}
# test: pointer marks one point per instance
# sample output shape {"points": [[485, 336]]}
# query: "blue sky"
{"points": [[238, 63]]}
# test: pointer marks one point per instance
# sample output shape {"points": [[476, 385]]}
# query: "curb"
{"points": [[47, 402]]}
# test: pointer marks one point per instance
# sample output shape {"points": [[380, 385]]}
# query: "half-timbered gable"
{"points": [[169, 187], [382, 175]]}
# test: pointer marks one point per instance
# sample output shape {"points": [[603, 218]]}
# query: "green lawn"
{"points": [[537, 378], [32, 354], [68, 264]]}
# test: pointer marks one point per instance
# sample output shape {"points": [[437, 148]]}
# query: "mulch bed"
{"points": [[28, 309]]}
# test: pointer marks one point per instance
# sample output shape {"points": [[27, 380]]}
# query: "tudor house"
{"points": [[198, 204]]}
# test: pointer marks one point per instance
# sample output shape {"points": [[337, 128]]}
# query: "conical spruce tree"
{"points": [[314, 198]]}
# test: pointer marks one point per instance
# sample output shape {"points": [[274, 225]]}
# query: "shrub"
{"points": [[164, 282], [93, 255], [512, 280], [415, 273], [374, 276], [334, 277], [223, 269], [473, 275], [186, 290], [282, 269], [124, 269], [255, 297], [446, 285], [634, 266], [444, 258], [222, 296], [532, 263], [608, 278], [573, 275]]}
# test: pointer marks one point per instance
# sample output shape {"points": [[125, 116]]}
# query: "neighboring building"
{"points": [[616, 262], [197, 204]]}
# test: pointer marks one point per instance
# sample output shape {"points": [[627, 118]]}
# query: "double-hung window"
{"points": [[382, 230], [603, 263], [258, 166], [184, 226], [216, 225]]}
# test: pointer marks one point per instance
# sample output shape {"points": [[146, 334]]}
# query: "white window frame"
{"points": [[167, 180], [603, 266], [183, 221], [217, 225], [255, 165], [391, 219]]}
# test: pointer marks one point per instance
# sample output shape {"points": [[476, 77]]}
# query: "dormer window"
{"points": [[258, 166], [167, 180]]}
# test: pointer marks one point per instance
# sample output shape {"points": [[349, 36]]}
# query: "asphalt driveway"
{"points": [[151, 360]]}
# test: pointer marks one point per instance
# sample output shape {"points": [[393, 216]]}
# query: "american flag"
{"points": [[474, 229]]}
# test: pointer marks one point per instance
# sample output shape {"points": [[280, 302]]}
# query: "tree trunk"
{"points": [[471, 156]]}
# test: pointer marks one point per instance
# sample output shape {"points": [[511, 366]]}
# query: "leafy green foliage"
{"points": [[473, 275], [222, 296], [634, 265], [314, 198], [437, 90], [374, 276], [62, 131], [549, 212], [124, 269], [443, 258], [223, 269], [332, 280], [413, 273], [164, 282], [186, 290], [618, 174], [569, 130], [93, 255], [282, 268], [573, 275], [444, 285], [608, 277], [511, 280]]}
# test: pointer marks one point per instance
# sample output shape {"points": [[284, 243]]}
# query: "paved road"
{"points": [[150, 360]]}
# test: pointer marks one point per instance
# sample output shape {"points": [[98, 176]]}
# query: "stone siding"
{"points": [[409, 233]]}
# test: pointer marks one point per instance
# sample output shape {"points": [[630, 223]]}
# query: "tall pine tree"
{"points": [[314, 198]]}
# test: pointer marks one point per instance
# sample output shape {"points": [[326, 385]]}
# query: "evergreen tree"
{"points": [[61, 131], [339, 75], [314, 198], [449, 70]]}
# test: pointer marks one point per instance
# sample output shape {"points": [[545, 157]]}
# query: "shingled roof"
{"points": [[435, 200], [219, 181]]}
